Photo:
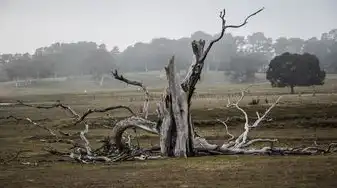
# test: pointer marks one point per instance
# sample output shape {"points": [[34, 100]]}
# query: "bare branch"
{"points": [[22, 119], [236, 105], [125, 80], [256, 123], [241, 141], [42, 126], [258, 140], [77, 117], [86, 141], [53, 151], [224, 123], [99, 158], [193, 74], [224, 27], [243, 91], [90, 111], [12, 117], [245, 21], [258, 115], [135, 83], [58, 104]]}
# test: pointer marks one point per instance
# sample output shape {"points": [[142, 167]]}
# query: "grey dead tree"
{"points": [[176, 129], [174, 126]]}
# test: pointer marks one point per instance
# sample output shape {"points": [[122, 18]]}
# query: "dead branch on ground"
{"points": [[90, 111], [175, 125]]}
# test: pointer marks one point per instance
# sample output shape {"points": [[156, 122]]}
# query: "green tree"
{"points": [[290, 70]]}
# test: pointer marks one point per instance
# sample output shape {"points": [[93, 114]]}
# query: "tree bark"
{"points": [[177, 136], [176, 126], [132, 122]]}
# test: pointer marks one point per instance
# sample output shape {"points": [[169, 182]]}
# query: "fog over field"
{"points": [[121, 93]]}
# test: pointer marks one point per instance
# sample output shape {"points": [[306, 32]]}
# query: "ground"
{"points": [[298, 119]]}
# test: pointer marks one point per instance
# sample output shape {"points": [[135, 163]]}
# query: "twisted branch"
{"points": [[135, 83], [90, 111], [86, 141], [225, 124]]}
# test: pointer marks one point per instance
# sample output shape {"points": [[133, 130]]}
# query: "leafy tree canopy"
{"points": [[290, 70]]}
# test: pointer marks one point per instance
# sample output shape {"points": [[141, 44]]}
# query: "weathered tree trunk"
{"points": [[177, 136], [177, 132], [176, 128]]}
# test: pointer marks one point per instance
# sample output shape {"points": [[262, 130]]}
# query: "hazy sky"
{"points": [[28, 24]]}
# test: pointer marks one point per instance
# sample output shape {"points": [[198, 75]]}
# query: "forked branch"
{"points": [[75, 115], [260, 118], [135, 83], [194, 72], [224, 27], [241, 141]]}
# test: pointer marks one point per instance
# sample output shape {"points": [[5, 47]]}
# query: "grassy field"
{"points": [[298, 119]]}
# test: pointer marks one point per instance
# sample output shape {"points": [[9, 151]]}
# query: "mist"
{"points": [[28, 25], [83, 41]]}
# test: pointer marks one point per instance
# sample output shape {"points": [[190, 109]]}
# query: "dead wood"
{"points": [[135, 83], [175, 126]]}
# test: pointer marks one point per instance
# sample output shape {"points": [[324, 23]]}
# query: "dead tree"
{"points": [[174, 125], [176, 128]]}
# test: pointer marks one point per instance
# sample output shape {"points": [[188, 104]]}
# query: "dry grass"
{"points": [[298, 119], [220, 171]]}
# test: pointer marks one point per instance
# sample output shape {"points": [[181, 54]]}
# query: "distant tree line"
{"points": [[238, 57], [58, 60]]}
